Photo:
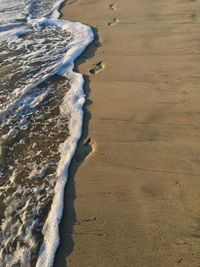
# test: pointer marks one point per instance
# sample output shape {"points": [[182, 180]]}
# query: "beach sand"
{"points": [[133, 194]]}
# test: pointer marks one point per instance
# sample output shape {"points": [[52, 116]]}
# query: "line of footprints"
{"points": [[114, 20], [88, 146], [101, 65]]}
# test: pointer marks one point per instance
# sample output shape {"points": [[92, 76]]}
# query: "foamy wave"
{"points": [[41, 62], [73, 105]]}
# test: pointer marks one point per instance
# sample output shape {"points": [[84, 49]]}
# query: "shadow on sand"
{"points": [[69, 215]]}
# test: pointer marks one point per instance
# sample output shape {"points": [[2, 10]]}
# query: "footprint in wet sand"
{"points": [[113, 6], [84, 150], [98, 67], [113, 22]]}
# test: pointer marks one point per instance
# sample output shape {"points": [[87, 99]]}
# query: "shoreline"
{"points": [[131, 197], [32, 104]]}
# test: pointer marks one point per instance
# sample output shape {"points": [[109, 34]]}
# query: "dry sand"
{"points": [[135, 201]]}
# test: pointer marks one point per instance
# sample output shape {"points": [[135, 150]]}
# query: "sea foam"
{"points": [[72, 104], [24, 101]]}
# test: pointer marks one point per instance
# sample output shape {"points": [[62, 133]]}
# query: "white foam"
{"points": [[72, 105], [55, 11]]}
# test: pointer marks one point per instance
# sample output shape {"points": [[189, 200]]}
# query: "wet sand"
{"points": [[134, 201]]}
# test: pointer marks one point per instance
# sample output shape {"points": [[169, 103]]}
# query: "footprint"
{"points": [[113, 22], [85, 149], [180, 260], [193, 16], [92, 219], [98, 67], [113, 6]]}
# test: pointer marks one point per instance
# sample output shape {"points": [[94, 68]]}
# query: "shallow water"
{"points": [[33, 125]]}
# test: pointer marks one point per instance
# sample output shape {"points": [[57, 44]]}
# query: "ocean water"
{"points": [[41, 101]]}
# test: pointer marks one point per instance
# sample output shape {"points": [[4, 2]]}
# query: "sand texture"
{"points": [[133, 197]]}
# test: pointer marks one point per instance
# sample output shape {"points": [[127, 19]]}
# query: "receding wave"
{"points": [[41, 101]]}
